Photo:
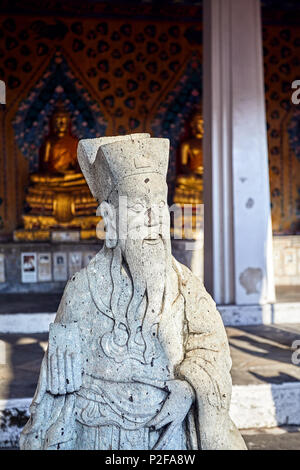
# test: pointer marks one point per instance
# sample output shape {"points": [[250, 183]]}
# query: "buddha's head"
{"points": [[197, 125], [60, 120]]}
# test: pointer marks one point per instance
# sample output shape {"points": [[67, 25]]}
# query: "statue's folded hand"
{"points": [[63, 359], [174, 410], [177, 404]]}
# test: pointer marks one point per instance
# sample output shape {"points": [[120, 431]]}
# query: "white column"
{"points": [[238, 266]]}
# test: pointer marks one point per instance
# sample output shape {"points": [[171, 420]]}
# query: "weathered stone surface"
{"points": [[138, 357]]}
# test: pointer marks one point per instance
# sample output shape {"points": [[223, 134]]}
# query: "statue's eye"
{"points": [[138, 207], [162, 204]]}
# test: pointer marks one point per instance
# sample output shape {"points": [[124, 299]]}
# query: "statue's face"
{"points": [[143, 209], [198, 125], [61, 123]]}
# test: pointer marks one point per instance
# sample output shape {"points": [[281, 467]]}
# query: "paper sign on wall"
{"points": [[29, 267], [60, 267], [44, 267]]}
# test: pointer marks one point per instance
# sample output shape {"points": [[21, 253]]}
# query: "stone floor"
{"points": [[263, 354], [22, 356], [283, 438], [260, 354]]}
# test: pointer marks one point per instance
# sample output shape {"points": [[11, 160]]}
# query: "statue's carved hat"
{"points": [[107, 161]]}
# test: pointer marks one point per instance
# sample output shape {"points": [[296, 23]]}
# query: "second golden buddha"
{"points": [[189, 182]]}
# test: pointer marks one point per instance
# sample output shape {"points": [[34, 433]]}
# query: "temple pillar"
{"points": [[238, 265]]}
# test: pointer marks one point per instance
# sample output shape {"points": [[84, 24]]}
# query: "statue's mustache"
{"points": [[153, 239]]}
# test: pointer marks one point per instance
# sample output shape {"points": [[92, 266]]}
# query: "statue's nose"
{"points": [[150, 217]]}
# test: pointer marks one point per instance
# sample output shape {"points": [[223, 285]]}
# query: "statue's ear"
{"points": [[108, 213]]}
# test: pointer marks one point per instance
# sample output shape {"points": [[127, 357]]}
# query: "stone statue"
{"points": [[138, 356], [189, 184]]}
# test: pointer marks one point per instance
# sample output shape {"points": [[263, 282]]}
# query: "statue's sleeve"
{"points": [[60, 373], [64, 346], [206, 366]]}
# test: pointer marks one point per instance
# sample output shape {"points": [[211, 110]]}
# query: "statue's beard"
{"points": [[147, 265]]}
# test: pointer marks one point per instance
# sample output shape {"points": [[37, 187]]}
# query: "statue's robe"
{"points": [[91, 393]]}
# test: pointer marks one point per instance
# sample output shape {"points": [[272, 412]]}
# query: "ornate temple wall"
{"points": [[135, 75], [282, 67], [114, 77]]}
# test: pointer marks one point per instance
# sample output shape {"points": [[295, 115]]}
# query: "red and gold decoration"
{"points": [[114, 76], [121, 75]]}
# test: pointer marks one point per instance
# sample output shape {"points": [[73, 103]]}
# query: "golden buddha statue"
{"points": [[58, 195], [59, 151], [189, 183]]}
